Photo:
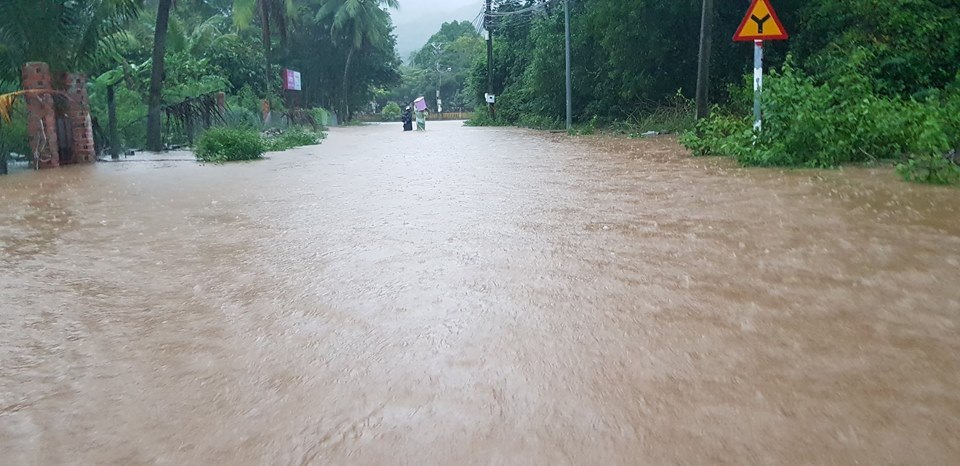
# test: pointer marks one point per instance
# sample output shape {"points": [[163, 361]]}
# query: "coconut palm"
{"points": [[160, 41], [70, 35], [272, 13], [154, 138], [355, 24]]}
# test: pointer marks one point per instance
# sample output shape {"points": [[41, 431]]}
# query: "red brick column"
{"points": [[41, 121], [78, 111]]}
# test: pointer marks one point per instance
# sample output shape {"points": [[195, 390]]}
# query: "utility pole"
{"points": [[437, 48], [491, 108], [703, 66], [566, 26]]}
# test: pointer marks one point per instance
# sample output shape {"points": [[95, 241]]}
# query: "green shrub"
{"points": [[13, 134], [391, 112], [131, 117], [220, 145], [246, 99], [321, 115], [932, 169], [13, 138], [822, 125], [719, 135], [241, 118], [586, 130], [292, 138], [675, 115]]}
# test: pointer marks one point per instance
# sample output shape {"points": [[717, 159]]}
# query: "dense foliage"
{"points": [[344, 50], [443, 63], [858, 81]]}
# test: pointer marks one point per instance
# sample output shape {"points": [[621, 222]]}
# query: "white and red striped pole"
{"points": [[757, 82]]}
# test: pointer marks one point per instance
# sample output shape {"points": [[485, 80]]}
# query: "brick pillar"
{"points": [[78, 111], [265, 110], [221, 102], [41, 120]]}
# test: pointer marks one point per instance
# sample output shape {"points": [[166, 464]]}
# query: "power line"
{"points": [[485, 20], [536, 8]]}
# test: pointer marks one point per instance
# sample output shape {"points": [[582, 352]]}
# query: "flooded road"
{"points": [[477, 296]]}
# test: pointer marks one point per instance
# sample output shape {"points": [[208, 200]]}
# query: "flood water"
{"points": [[477, 296]]}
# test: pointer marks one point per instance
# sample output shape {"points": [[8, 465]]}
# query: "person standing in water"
{"points": [[421, 120], [407, 120]]}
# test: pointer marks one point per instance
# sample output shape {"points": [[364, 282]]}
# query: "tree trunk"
{"points": [[112, 123], [344, 89], [265, 37], [154, 138]]}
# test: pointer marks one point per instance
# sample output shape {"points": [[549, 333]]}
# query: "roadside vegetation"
{"points": [[857, 82], [230, 144], [220, 145], [163, 60]]}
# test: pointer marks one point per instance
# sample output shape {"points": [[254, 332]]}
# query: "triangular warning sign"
{"points": [[761, 23]]}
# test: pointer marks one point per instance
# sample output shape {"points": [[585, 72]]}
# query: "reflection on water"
{"points": [[477, 296]]}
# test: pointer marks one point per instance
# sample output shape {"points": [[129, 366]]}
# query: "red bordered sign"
{"points": [[761, 23]]}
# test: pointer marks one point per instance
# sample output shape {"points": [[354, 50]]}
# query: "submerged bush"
{"points": [[291, 138], [719, 135], [220, 145]]}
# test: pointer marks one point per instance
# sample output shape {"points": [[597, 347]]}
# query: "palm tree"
{"points": [[355, 24], [69, 35], [272, 13], [154, 138]]}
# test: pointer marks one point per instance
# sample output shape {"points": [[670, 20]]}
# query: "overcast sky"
{"points": [[417, 20]]}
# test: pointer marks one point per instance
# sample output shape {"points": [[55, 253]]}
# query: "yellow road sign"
{"points": [[761, 23]]}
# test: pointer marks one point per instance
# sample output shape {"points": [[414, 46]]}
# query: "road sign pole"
{"points": [[760, 23], [757, 82]]}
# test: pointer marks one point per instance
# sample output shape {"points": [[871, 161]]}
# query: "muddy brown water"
{"points": [[477, 296]]}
